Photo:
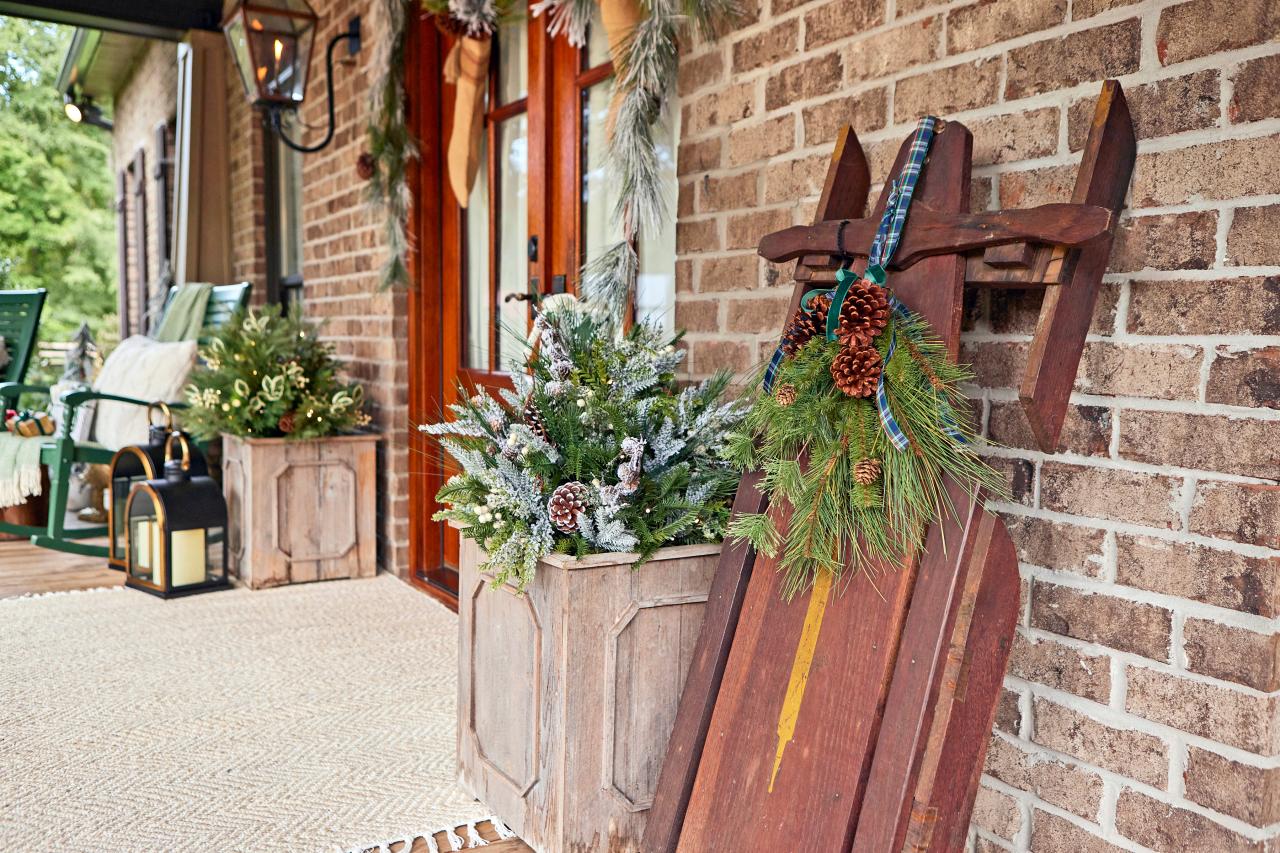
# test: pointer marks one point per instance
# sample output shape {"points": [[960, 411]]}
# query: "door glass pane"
{"points": [[599, 194], [597, 52], [513, 234], [513, 62], [479, 311], [656, 283]]}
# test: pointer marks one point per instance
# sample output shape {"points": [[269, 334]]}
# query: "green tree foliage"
{"points": [[57, 230]]}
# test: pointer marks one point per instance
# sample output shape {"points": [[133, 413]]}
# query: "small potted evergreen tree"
{"points": [[592, 500], [298, 471]]}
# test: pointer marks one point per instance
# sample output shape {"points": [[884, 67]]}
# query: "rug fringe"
{"points": [[455, 841]]}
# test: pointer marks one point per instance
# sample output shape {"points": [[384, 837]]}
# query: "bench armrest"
{"points": [[12, 390]]}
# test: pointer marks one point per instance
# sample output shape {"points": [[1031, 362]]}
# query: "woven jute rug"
{"points": [[306, 718]]}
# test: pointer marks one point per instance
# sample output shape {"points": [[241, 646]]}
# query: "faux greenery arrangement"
{"points": [[595, 450], [857, 498], [267, 376]]}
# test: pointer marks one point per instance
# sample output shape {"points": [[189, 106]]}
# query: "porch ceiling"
{"points": [[162, 19]]}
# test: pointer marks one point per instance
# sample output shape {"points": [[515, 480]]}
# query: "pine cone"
{"points": [[533, 420], [856, 370], [785, 395], [867, 471], [286, 422], [365, 166], [864, 313], [566, 502], [806, 325]]}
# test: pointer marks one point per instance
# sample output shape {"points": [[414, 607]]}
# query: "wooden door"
{"points": [[540, 207]]}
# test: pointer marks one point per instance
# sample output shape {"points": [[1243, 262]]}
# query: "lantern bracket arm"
{"points": [[276, 111]]}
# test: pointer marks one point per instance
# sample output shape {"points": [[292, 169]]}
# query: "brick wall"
{"points": [[145, 100], [1142, 707], [343, 247]]}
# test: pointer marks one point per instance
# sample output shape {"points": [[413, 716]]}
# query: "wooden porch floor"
{"points": [[26, 569]]}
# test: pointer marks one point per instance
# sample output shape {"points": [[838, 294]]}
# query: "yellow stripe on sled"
{"points": [[818, 598]]}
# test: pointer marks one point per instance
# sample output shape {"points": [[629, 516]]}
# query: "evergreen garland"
{"points": [[391, 146], [856, 501], [596, 450]]}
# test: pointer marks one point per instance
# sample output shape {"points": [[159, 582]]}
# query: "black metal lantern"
{"points": [[134, 464], [176, 530], [271, 42]]}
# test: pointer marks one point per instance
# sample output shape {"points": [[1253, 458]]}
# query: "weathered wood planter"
{"points": [[301, 510], [567, 693]]}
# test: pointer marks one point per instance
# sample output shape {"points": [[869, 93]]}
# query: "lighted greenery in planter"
{"points": [[597, 449], [268, 376]]}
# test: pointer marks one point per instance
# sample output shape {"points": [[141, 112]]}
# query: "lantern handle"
{"points": [[164, 410], [186, 450]]}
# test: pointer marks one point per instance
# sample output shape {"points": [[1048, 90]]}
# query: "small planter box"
{"points": [[567, 694], [300, 510]]}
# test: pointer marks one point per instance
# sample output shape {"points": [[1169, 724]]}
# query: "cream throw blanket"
{"points": [[19, 467]]}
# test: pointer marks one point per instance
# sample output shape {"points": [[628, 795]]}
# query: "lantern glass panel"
{"points": [[120, 488], [146, 544], [271, 42]]}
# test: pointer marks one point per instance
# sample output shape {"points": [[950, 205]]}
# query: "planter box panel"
{"points": [[301, 510], [612, 649]]}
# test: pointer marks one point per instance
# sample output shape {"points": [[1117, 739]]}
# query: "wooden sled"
{"points": [[884, 748]]}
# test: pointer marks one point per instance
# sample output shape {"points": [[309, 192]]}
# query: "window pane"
{"points": [[656, 283], [513, 62], [599, 193], [597, 51], [513, 233], [475, 351]]}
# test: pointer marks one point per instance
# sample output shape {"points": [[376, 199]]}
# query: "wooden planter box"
{"points": [[300, 510], [567, 694]]}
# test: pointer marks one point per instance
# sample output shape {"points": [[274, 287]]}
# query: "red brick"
{"points": [[894, 50], [1203, 442], [1110, 51], [1163, 372], [990, 21], [1233, 654], [719, 108], [697, 236], [840, 18], [1008, 714], [1060, 666], [1255, 96], [698, 156], [1109, 493], [1034, 187], [698, 316], [995, 364], [746, 229], [1142, 629], [1023, 135], [1084, 9], [1213, 576], [802, 81], [735, 273], [1087, 429], [1018, 474], [710, 356], [1232, 306], [762, 140], [1133, 754], [1018, 312], [1202, 27], [1243, 791], [1053, 834], [1215, 170], [1057, 545], [1243, 512], [1222, 714], [1245, 378], [766, 48], [792, 180], [700, 71], [1165, 107], [764, 314], [1251, 237], [1163, 827], [728, 193], [947, 90], [865, 112], [1172, 241], [1056, 782], [997, 813]]}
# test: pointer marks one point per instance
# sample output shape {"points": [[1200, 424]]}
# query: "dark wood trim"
{"points": [[137, 178], [122, 251]]}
